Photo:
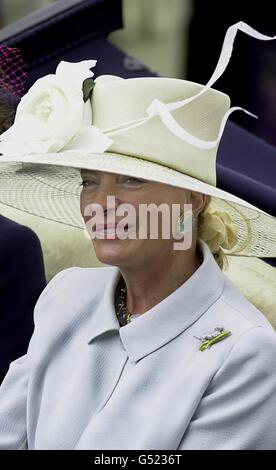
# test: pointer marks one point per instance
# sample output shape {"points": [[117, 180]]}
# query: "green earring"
{"points": [[185, 222]]}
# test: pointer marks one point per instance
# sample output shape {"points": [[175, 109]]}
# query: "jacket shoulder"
{"points": [[239, 307], [73, 288], [236, 314], [80, 275]]}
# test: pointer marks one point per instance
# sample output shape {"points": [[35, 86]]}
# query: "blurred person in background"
{"points": [[22, 275]]}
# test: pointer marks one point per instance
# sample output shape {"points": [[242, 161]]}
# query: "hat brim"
{"points": [[257, 229]]}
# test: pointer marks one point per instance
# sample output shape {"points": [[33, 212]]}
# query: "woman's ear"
{"points": [[198, 201]]}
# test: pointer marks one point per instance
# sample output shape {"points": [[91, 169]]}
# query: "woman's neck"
{"points": [[148, 286]]}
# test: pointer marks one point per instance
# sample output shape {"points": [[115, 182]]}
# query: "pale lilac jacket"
{"points": [[86, 383]]}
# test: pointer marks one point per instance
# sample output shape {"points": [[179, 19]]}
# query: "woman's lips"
{"points": [[110, 230]]}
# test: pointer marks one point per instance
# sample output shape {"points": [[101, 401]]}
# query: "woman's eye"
{"points": [[133, 181], [87, 183]]}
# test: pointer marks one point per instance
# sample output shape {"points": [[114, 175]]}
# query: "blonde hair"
{"points": [[217, 229]]}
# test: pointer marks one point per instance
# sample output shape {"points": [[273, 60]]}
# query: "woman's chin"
{"points": [[113, 252]]}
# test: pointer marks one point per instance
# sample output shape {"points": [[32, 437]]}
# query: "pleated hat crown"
{"points": [[119, 111]]}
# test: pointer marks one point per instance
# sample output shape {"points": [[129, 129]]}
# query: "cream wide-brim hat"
{"points": [[144, 135], [48, 185]]}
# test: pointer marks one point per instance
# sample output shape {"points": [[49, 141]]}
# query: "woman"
{"points": [[160, 350]]}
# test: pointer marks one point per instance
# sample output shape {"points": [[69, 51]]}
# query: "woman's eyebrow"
{"points": [[88, 173]]}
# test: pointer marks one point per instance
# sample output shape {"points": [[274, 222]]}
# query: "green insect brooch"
{"points": [[208, 339]]}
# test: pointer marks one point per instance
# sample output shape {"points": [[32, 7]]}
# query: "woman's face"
{"points": [[111, 246]]}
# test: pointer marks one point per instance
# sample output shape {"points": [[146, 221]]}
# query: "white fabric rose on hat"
{"points": [[53, 116]]}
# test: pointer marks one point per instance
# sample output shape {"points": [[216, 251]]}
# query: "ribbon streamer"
{"points": [[158, 108]]}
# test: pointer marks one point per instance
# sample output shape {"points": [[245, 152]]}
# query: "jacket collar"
{"points": [[169, 318]]}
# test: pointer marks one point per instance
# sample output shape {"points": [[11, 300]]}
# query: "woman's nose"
{"points": [[105, 197], [105, 194]]}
